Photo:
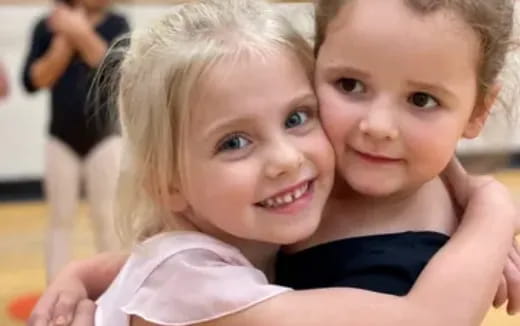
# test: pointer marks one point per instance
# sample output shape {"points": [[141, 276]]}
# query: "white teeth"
{"points": [[287, 198]]}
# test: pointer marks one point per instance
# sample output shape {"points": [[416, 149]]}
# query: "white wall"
{"points": [[23, 118]]}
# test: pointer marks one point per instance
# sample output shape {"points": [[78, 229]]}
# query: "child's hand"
{"points": [[60, 302], [85, 313], [68, 21], [492, 195], [509, 289], [481, 192]]}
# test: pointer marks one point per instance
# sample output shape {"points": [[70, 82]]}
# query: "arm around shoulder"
{"points": [[456, 287], [333, 307]]}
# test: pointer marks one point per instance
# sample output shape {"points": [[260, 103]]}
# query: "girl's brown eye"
{"points": [[423, 100], [351, 85]]}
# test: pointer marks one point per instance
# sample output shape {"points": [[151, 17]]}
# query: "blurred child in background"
{"points": [[4, 84], [66, 47]]}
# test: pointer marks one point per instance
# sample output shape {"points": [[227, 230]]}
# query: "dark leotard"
{"points": [[72, 120], [388, 263]]}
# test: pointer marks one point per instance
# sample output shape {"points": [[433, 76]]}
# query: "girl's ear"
{"points": [[481, 112], [172, 199], [176, 200]]}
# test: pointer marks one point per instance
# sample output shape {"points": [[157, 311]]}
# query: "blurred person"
{"points": [[4, 83], [66, 48]]}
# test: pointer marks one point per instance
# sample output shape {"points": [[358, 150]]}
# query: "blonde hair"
{"points": [[158, 73], [492, 20]]}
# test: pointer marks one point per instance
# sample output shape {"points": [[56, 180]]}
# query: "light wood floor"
{"points": [[22, 228]]}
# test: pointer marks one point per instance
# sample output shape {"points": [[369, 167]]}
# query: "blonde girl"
{"points": [[225, 160]]}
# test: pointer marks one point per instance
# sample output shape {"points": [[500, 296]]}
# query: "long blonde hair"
{"points": [[157, 76]]}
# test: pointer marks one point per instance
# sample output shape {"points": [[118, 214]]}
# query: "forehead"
{"points": [[250, 85], [389, 33]]}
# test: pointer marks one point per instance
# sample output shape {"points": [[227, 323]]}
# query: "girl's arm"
{"points": [[45, 71], [456, 287], [98, 272], [80, 280], [73, 23], [90, 45]]}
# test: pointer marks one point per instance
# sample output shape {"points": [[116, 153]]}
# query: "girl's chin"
{"points": [[374, 188]]}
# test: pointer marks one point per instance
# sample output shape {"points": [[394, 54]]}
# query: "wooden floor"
{"points": [[22, 228]]}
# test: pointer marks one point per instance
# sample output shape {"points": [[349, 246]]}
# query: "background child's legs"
{"points": [[62, 182], [101, 172]]}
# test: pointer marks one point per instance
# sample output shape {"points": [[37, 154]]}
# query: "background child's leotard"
{"points": [[72, 119]]}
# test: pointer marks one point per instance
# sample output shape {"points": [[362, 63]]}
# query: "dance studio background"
{"points": [[23, 126]]}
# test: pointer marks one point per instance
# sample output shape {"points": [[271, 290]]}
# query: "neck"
{"points": [[395, 201], [262, 255], [426, 207], [367, 208], [351, 214]]}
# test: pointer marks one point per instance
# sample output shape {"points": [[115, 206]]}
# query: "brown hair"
{"points": [[492, 20]]}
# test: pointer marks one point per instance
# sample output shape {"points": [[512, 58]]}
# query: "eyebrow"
{"points": [[225, 124], [358, 73]]}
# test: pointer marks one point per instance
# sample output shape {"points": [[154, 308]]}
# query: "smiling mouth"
{"points": [[288, 197], [374, 158]]}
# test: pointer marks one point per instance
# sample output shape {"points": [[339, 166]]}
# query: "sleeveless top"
{"points": [[386, 263]]}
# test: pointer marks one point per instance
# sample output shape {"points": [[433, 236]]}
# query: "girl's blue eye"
{"points": [[350, 85], [423, 100], [296, 119], [233, 143]]}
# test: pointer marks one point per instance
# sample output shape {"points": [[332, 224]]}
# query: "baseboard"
{"points": [[18, 190]]}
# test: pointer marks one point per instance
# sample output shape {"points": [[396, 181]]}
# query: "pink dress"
{"points": [[183, 278]]}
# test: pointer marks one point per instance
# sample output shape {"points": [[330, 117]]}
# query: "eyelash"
{"points": [[309, 113], [340, 84], [221, 146], [430, 97], [341, 81]]}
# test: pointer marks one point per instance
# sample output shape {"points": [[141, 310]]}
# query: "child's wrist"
{"points": [[81, 32], [77, 270]]}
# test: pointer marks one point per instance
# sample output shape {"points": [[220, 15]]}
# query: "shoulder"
{"points": [[178, 257], [192, 278], [174, 243], [178, 253], [40, 27]]}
